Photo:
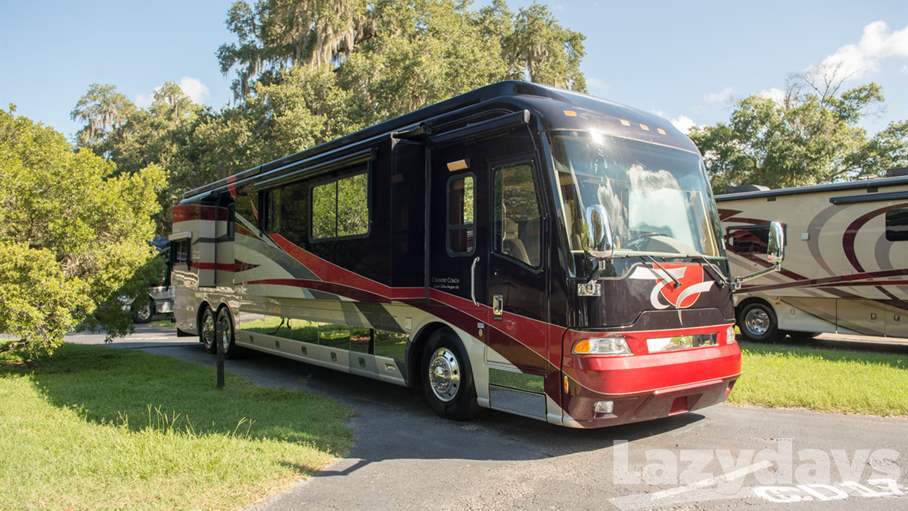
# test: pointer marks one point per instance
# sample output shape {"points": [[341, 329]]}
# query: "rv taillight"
{"points": [[730, 335]]}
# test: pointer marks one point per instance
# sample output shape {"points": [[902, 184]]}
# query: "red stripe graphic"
{"points": [[838, 280], [185, 212]]}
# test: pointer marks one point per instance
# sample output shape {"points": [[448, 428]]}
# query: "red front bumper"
{"points": [[645, 385]]}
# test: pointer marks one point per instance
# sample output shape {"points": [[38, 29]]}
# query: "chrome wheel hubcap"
{"points": [[444, 374], [757, 322]]}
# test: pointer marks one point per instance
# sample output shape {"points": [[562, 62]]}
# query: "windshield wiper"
{"points": [[662, 268], [714, 271]]}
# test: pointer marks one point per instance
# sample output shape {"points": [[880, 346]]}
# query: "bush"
{"points": [[36, 300], [74, 232]]}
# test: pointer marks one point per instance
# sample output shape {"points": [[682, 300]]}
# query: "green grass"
{"points": [[102, 428], [826, 380]]}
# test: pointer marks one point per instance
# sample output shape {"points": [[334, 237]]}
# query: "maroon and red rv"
{"points": [[518, 247]]}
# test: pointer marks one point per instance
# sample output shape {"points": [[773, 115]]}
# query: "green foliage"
{"points": [[306, 72], [82, 229], [101, 110], [36, 300], [811, 136]]}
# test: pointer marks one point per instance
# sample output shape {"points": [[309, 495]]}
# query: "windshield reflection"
{"points": [[657, 198]]}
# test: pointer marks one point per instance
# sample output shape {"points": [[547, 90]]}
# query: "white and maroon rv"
{"points": [[847, 265], [518, 247]]}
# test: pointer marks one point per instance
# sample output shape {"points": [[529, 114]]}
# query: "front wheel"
{"points": [[758, 322], [448, 379]]}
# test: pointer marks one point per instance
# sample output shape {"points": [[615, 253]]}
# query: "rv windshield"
{"points": [[657, 198]]}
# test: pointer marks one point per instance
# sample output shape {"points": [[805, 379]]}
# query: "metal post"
{"points": [[219, 341]]}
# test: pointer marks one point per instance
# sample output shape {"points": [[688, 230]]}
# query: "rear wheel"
{"points": [[757, 322], [207, 330], [224, 327], [448, 378]]}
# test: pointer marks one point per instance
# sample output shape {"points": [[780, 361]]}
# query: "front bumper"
{"points": [[649, 385]]}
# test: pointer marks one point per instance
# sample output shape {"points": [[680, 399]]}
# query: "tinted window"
{"points": [[897, 225], [353, 206], [340, 208], [245, 206], [748, 239], [517, 219], [181, 251], [287, 211], [461, 229], [324, 211]]}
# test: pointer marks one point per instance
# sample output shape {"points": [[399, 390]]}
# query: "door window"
{"points": [[461, 228], [517, 217]]}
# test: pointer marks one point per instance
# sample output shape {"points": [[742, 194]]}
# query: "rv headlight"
{"points": [[602, 346], [730, 335]]}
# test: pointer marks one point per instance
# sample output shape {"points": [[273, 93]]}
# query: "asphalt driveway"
{"points": [[726, 457]]}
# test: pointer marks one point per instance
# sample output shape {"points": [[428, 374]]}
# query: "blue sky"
{"points": [[687, 61]]}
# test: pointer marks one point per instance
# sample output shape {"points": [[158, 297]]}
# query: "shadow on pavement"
{"points": [[392, 422]]}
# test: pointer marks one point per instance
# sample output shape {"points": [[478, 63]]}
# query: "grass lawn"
{"points": [[102, 428], [828, 380]]}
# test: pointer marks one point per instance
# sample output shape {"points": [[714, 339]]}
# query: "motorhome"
{"points": [[518, 247], [846, 269]]}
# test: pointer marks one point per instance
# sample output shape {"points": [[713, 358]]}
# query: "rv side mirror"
{"points": [[775, 252], [775, 249], [599, 231]]}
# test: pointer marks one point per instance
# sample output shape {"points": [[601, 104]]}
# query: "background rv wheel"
{"points": [[143, 313], [207, 330], [448, 378], [224, 330], [757, 322]]}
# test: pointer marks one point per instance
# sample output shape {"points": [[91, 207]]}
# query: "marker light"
{"points": [[602, 346], [730, 335]]}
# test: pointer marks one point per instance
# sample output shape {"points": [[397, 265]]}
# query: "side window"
{"points": [[340, 208], [274, 210], [461, 229], [518, 232], [245, 206], [751, 239], [897, 225], [353, 206], [324, 210], [181, 251]]}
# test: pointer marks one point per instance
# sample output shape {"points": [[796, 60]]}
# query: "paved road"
{"points": [[726, 457]]}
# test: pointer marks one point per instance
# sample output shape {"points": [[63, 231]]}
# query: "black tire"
{"points": [[758, 322], [224, 327], [461, 405], [142, 314], [207, 330]]}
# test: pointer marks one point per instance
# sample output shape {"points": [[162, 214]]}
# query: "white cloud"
{"points": [[878, 42], [777, 95], [723, 96], [683, 123], [193, 87]]}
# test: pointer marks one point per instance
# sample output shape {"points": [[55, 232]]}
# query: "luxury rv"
{"points": [[518, 247], [846, 268]]}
